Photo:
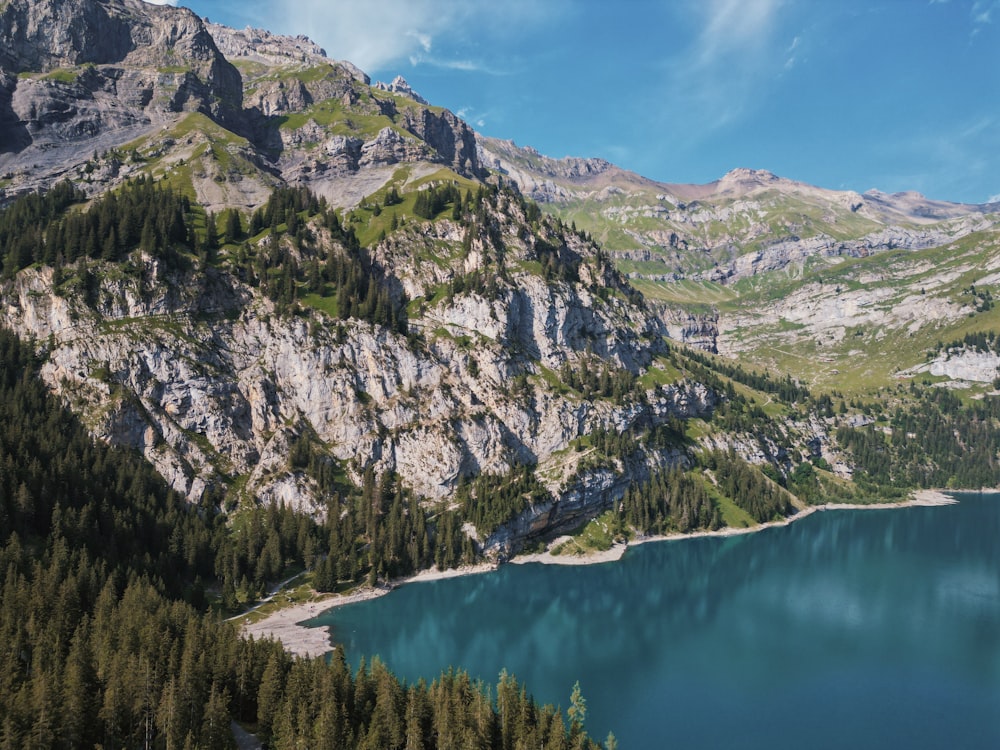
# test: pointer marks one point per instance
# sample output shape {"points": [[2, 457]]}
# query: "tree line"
{"points": [[747, 486], [977, 341], [144, 215], [23, 223], [786, 389], [669, 502]]}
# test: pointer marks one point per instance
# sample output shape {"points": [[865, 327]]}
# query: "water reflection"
{"points": [[832, 617]]}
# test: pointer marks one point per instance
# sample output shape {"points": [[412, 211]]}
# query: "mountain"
{"points": [[84, 76], [282, 284], [98, 91], [747, 223], [782, 274]]}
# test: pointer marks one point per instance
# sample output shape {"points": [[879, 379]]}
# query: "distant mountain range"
{"points": [[746, 223]]}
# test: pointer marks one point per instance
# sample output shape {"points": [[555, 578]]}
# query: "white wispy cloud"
{"points": [[472, 66], [377, 34], [735, 26], [983, 125], [983, 10], [792, 53], [368, 34], [734, 53], [478, 119], [425, 41], [983, 13]]}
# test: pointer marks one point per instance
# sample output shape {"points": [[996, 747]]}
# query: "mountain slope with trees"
{"points": [[260, 316], [106, 638]]}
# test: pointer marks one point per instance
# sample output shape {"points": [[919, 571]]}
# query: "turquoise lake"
{"points": [[847, 629]]}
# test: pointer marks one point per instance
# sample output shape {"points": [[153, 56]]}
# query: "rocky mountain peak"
{"points": [[111, 38], [260, 45], [79, 77], [250, 42], [539, 176], [742, 179], [506, 154], [41, 35], [401, 87]]}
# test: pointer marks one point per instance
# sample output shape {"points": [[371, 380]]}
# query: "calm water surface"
{"points": [[848, 629]]}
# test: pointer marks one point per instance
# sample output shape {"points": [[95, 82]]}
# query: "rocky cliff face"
{"points": [[262, 46], [80, 79], [85, 77], [698, 330], [314, 151], [213, 385], [540, 177], [783, 253], [142, 54], [40, 36], [962, 367]]}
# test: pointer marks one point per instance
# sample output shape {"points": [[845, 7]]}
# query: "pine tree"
{"points": [[577, 709], [233, 231], [215, 732], [270, 693], [79, 689], [211, 232]]}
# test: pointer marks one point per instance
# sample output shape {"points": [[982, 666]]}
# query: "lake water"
{"points": [[847, 629]]}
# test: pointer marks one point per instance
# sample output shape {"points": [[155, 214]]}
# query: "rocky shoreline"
{"points": [[286, 624], [300, 640]]}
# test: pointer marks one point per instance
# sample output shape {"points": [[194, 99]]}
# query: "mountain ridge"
{"points": [[288, 114], [705, 253]]}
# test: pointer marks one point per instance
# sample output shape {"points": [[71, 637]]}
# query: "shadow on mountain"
{"points": [[14, 135]]}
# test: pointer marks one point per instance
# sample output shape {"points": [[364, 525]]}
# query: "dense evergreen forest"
{"points": [[670, 502], [104, 636], [490, 500], [933, 439], [287, 260]]}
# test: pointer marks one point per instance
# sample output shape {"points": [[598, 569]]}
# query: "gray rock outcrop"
{"points": [[200, 373], [398, 85], [156, 54]]}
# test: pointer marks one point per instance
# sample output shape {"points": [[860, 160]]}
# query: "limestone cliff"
{"points": [[157, 57], [213, 384]]}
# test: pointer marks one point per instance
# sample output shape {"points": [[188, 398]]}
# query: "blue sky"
{"points": [[849, 94]]}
